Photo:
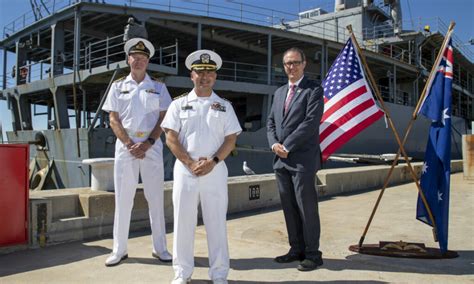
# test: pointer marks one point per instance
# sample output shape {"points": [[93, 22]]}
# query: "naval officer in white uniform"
{"points": [[137, 104], [201, 130]]}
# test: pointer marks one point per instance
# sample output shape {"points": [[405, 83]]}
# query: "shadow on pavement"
{"points": [[146, 260], [34, 259], [202, 281], [461, 265]]}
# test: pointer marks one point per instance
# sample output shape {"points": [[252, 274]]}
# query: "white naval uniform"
{"points": [[138, 107], [202, 124]]}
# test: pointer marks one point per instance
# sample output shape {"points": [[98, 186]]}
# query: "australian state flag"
{"points": [[436, 169]]}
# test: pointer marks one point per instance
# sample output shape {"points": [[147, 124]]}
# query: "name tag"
{"points": [[187, 107], [152, 91]]}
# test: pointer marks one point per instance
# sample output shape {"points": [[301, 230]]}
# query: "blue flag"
{"points": [[436, 169]]}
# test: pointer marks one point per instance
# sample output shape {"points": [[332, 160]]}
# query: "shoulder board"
{"points": [[226, 100], [120, 79], [156, 79], [180, 96]]}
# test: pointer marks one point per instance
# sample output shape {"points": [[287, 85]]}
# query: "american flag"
{"points": [[349, 105]]}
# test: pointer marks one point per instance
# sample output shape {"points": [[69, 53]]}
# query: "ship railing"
{"points": [[42, 10], [34, 71], [425, 25], [378, 31], [387, 29], [427, 63], [110, 50], [460, 106], [457, 78], [325, 30], [247, 13], [404, 98], [8, 79], [237, 11], [392, 51], [462, 82], [253, 14], [436, 24], [397, 96], [256, 73], [243, 72], [103, 52], [95, 54]]}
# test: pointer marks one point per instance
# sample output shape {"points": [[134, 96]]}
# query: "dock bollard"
{"points": [[102, 173], [468, 156]]}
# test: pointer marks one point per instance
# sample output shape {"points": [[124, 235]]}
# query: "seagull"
{"points": [[247, 170]]}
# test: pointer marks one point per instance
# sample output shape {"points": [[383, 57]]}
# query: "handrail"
{"points": [[91, 55], [110, 50], [436, 25], [9, 81], [28, 18], [249, 13], [94, 54], [256, 73]]}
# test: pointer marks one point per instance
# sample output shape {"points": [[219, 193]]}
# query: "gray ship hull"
{"points": [[252, 147]]}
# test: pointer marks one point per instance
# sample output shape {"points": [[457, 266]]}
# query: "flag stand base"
{"points": [[402, 249]]}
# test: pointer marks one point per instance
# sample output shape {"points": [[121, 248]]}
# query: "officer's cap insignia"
{"points": [[205, 58], [140, 46]]}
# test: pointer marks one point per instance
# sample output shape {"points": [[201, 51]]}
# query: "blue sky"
{"points": [[460, 11]]}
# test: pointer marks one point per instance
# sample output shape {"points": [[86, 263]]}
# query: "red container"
{"points": [[14, 161]]}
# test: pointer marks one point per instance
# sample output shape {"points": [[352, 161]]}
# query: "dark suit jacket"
{"points": [[298, 130]]}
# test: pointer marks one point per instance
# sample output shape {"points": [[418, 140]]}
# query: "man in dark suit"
{"points": [[293, 135]]}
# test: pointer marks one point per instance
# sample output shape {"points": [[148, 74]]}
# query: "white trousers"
{"points": [[211, 191], [126, 171]]}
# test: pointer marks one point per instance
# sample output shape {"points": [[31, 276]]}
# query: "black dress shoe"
{"points": [[289, 257], [310, 264]]}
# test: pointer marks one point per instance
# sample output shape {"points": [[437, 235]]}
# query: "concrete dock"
{"points": [[256, 237]]}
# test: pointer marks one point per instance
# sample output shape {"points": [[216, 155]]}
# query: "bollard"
{"points": [[102, 173], [468, 156]]}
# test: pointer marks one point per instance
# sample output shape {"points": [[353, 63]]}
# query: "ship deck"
{"points": [[256, 237]]}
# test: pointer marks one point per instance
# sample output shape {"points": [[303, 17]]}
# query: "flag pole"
{"points": [[389, 119], [433, 69], [410, 125]]}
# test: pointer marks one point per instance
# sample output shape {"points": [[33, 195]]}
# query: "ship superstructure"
{"points": [[66, 57]]}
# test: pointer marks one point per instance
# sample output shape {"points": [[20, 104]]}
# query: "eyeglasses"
{"points": [[294, 63]]}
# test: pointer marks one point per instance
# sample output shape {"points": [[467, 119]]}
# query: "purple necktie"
{"points": [[289, 98]]}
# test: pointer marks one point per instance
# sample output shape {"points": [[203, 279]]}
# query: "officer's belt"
{"points": [[138, 134]]}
